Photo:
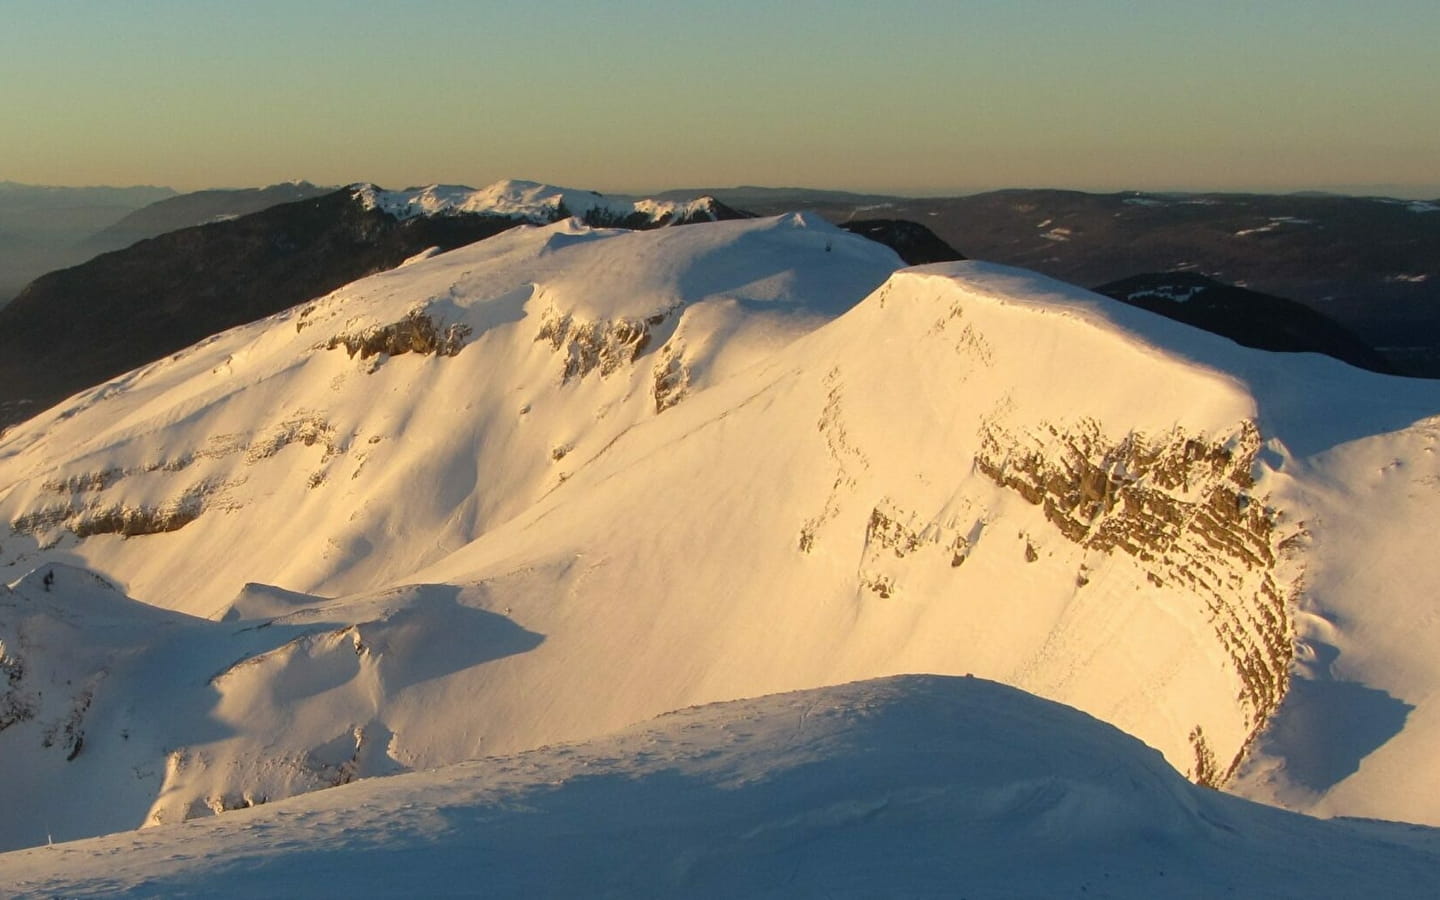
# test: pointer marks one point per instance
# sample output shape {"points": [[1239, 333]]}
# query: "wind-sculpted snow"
{"points": [[651, 470], [912, 786], [128, 715]]}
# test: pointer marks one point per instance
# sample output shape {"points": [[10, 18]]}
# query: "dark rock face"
{"points": [[1246, 317], [915, 243]]}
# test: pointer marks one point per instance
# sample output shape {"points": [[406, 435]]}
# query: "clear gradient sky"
{"points": [[908, 96]]}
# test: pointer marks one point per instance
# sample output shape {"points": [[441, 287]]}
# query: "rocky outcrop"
{"points": [[15, 705], [1184, 508], [604, 345], [95, 503], [890, 536], [416, 333], [670, 378], [914, 243], [86, 519]]}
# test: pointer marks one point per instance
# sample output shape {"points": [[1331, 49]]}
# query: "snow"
{"points": [[526, 200], [1174, 293], [912, 786], [1415, 206], [1274, 225], [638, 472]]}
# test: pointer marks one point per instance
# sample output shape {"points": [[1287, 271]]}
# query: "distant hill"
{"points": [[197, 208], [14, 195], [40, 225], [1247, 317], [915, 243]]}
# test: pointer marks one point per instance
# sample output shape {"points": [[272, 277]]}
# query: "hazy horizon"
{"points": [[1395, 191], [917, 98]]}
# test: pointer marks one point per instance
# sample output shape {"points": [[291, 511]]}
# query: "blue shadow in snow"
{"points": [[1324, 729]]}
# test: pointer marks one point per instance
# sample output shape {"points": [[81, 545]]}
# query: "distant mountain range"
{"points": [[40, 226], [1371, 264], [198, 208], [76, 327], [47, 228]]}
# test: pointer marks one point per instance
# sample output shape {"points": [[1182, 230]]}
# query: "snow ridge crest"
{"points": [[532, 202]]}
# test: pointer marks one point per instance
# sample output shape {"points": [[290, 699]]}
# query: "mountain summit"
{"points": [[567, 479]]}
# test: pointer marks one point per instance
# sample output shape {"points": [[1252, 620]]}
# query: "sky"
{"points": [[904, 96]]}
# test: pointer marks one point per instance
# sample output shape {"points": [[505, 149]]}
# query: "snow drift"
{"points": [[914, 786]]}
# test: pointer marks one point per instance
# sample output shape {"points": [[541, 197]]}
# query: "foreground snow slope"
{"points": [[900, 787], [567, 479]]}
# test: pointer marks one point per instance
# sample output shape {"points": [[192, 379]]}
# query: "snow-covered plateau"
{"points": [[484, 517]]}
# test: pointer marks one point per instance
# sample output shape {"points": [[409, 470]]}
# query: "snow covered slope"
{"points": [[912, 786], [565, 480], [380, 427]]}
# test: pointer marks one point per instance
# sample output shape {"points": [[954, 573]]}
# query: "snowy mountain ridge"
{"points": [[567, 479], [533, 202]]}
